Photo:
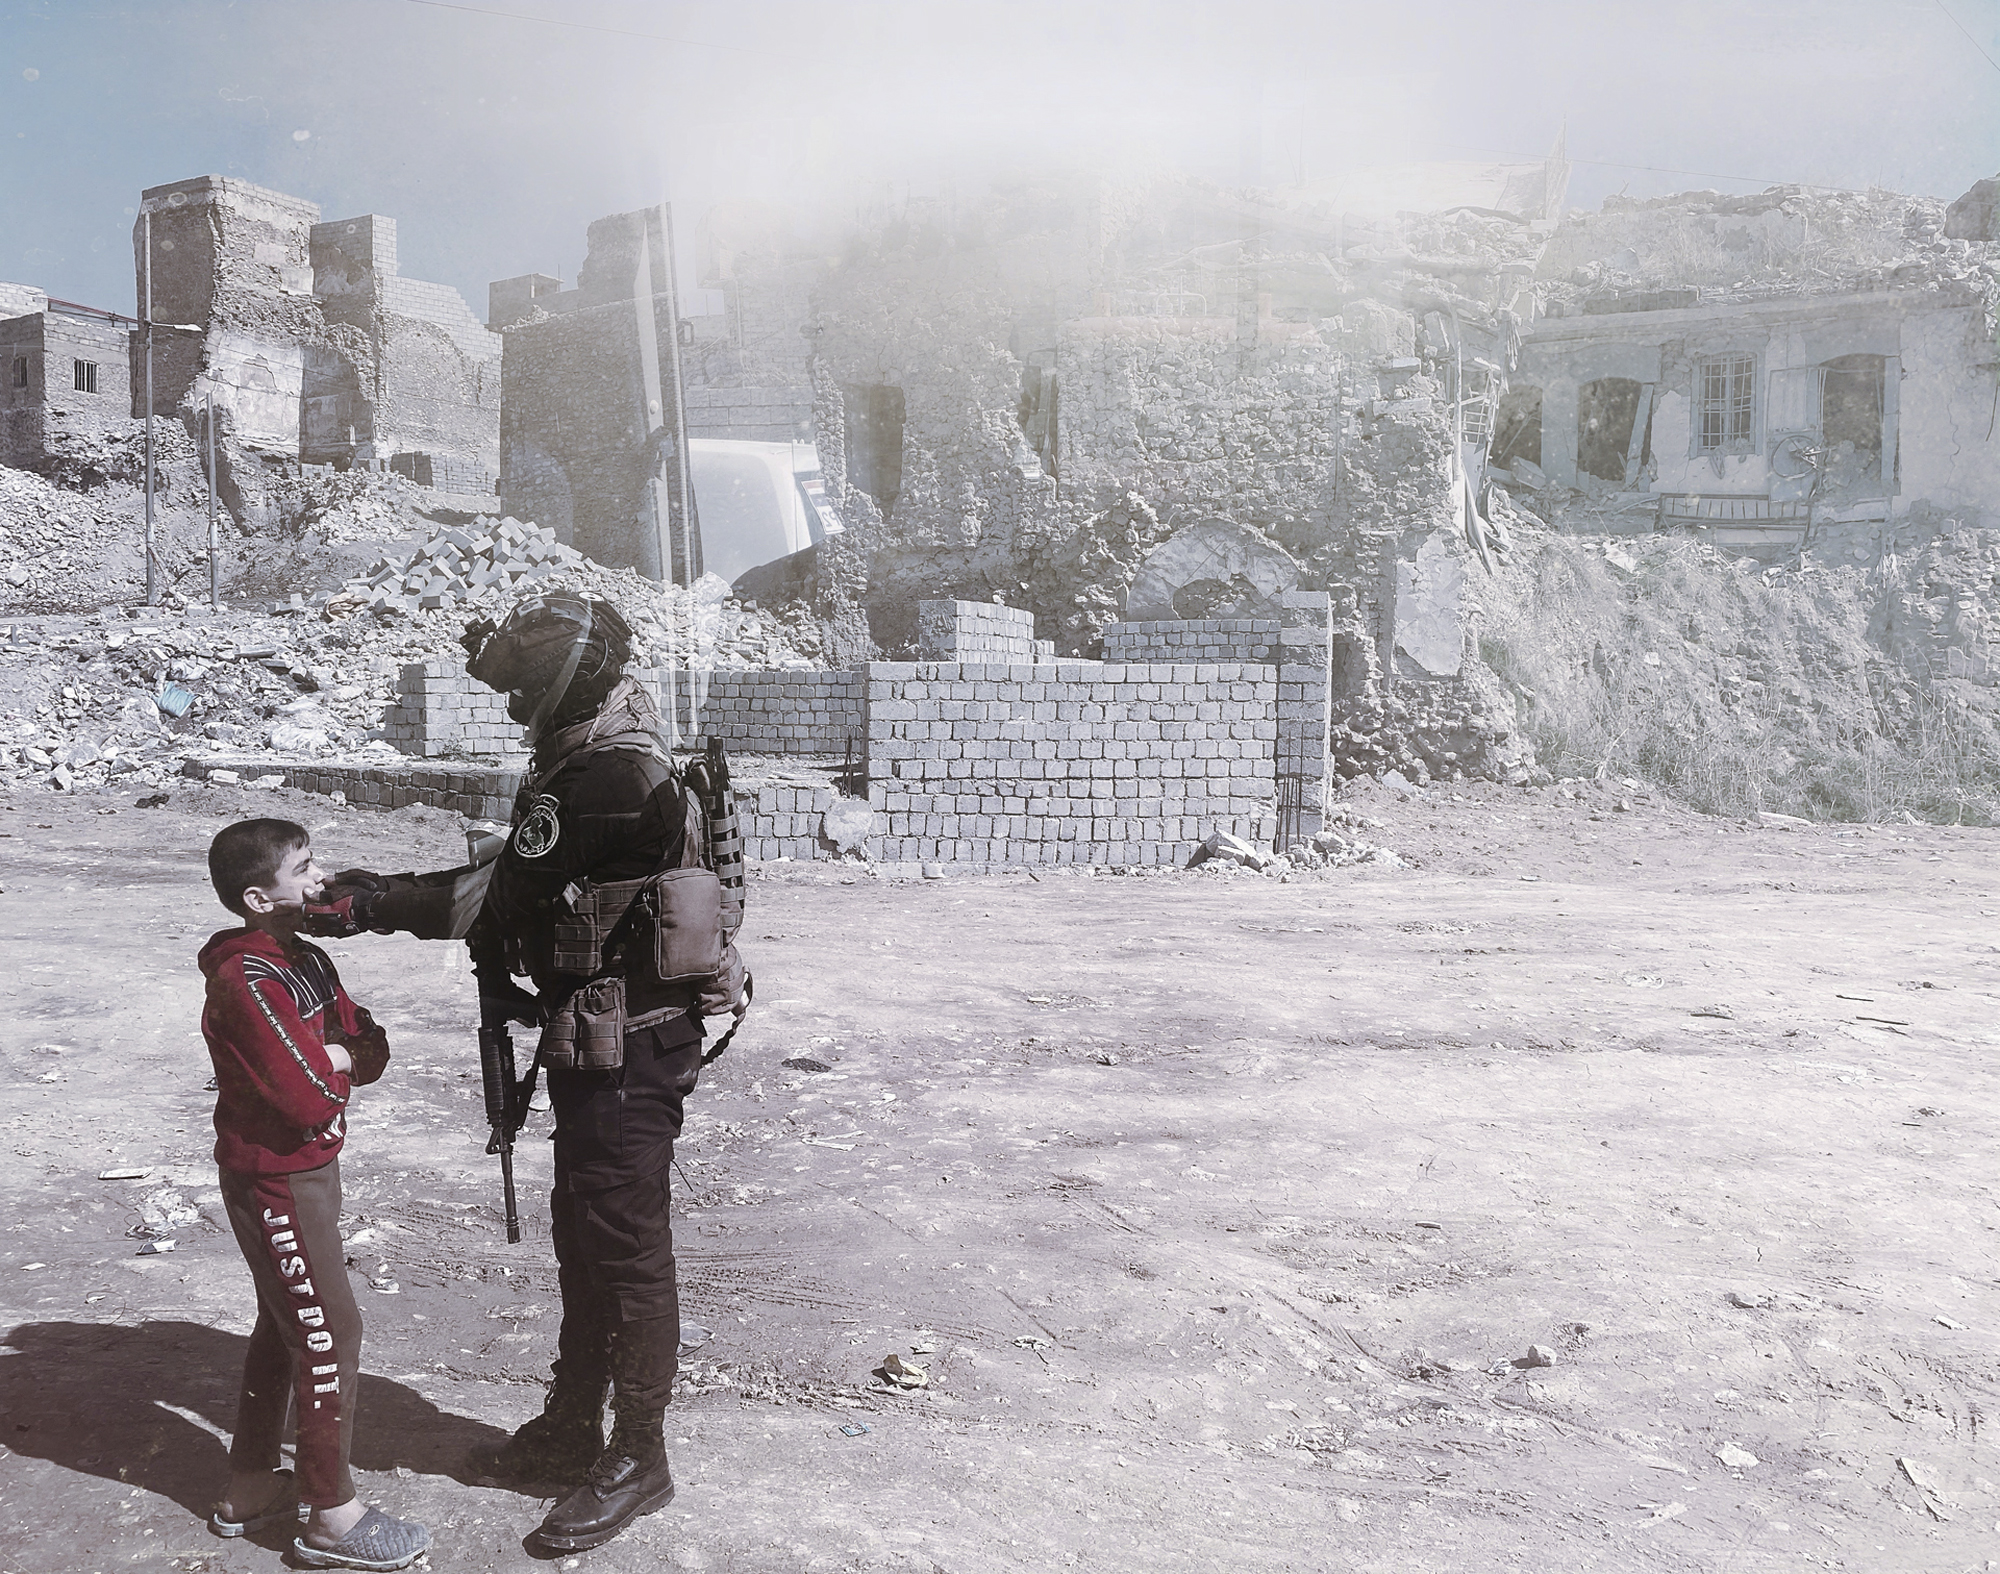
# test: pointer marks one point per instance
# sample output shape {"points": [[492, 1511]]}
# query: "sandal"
{"points": [[281, 1510], [377, 1542]]}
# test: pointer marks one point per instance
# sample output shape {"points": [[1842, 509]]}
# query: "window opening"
{"points": [[875, 441], [20, 371], [1727, 402], [1036, 413], [86, 377]]}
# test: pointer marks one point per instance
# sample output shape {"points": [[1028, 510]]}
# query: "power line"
{"points": [[1995, 64], [592, 27]]}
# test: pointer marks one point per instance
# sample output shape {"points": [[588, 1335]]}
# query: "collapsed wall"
{"points": [[1116, 406], [310, 343], [593, 439]]}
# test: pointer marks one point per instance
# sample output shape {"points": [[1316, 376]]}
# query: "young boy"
{"points": [[288, 1045]]}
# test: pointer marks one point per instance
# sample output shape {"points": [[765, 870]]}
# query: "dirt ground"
{"points": [[1222, 1212]]}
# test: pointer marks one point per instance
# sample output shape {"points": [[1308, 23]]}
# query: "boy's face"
{"points": [[297, 881]]}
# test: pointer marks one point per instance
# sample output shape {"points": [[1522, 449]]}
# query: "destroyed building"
{"points": [[1173, 401], [593, 439], [312, 345], [1758, 367], [65, 377]]}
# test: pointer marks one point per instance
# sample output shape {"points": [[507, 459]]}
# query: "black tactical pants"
{"points": [[613, 1237]]}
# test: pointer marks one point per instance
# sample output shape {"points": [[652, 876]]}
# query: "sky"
{"points": [[494, 132]]}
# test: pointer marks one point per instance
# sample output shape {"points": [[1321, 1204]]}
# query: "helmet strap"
{"points": [[560, 687]]}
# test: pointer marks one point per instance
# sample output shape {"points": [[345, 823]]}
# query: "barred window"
{"points": [[1726, 409], [86, 376]]}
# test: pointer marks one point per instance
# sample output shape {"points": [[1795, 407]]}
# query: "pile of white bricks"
{"points": [[978, 631], [509, 557], [1197, 639]]}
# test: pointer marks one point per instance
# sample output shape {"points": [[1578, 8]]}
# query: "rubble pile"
{"points": [[343, 506], [123, 697], [61, 548], [498, 563], [1339, 843], [1336, 846], [462, 571], [1779, 242]]}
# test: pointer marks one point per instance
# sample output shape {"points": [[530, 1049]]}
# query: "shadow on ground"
{"points": [[107, 1401]]}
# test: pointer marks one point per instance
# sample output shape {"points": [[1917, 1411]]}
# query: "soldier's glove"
{"points": [[368, 1048], [475, 635], [503, 1000], [346, 905]]}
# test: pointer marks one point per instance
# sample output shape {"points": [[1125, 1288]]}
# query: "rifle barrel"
{"points": [[507, 1184]]}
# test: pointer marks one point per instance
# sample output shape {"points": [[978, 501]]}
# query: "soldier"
{"points": [[576, 902]]}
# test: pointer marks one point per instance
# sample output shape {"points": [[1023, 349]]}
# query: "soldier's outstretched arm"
{"points": [[429, 906]]}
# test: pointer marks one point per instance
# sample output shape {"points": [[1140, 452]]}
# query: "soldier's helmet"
{"points": [[556, 656]]}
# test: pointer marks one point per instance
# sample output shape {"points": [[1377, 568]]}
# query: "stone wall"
{"points": [[1166, 407], [1068, 762], [420, 390], [235, 259], [755, 415], [977, 631], [313, 347], [1196, 639]]}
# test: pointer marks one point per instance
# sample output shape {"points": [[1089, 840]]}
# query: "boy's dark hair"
{"points": [[249, 853]]}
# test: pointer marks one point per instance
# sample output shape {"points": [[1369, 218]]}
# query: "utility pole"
{"points": [[683, 461], [214, 535], [146, 330]]}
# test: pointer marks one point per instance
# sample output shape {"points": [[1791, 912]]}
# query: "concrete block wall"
{"points": [[977, 631], [479, 794], [768, 712], [1193, 639], [1303, 653], [440, 710], [782, 820], [778, 820], [1068, 762]]}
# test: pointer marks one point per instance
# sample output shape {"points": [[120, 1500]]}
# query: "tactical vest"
{"points": [[650, 948]]}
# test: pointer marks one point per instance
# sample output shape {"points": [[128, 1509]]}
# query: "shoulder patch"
{"points": [[539, 827]]}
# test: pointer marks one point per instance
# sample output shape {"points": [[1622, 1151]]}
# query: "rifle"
{"points": [[502, 1001], [506, 1095]]}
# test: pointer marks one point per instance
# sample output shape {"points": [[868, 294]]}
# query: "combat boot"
{"points": [[559, 1445], [630, 1478]]}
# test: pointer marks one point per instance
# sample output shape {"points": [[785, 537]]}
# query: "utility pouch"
{"points": [[595, 913], [588, 1033], [685, 906]]}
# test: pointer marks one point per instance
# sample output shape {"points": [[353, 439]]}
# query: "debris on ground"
{"points": [[123, 695], [899, 1373]]}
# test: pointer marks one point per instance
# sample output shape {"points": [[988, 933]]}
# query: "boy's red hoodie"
{"points": [[272, 1010]]}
